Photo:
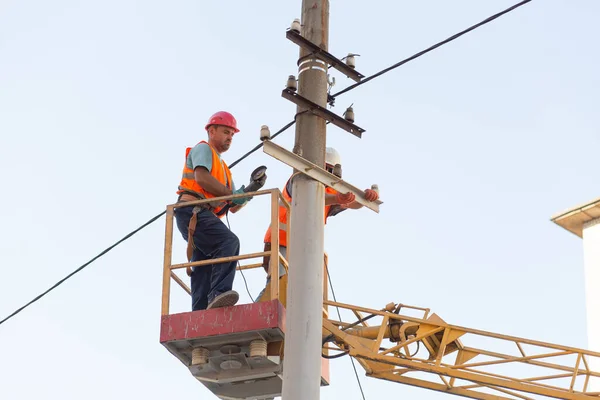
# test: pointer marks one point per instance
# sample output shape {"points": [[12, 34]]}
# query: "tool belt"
{"points": [[190, 241], [192, 225]]}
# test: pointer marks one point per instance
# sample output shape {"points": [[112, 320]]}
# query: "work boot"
{"points": [[226, 299]]}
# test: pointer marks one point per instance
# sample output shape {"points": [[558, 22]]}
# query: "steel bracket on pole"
{"points": [[306, 167], [322, 112], [324, 55]]}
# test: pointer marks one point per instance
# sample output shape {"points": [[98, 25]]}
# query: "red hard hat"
{"points": [[223, 118]]}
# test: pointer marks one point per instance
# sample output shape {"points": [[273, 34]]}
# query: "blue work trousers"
{"points": [[212, 239]]}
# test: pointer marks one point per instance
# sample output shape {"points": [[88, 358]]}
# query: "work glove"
{"points": [[371, 195], [240, 201], [345, 198]]}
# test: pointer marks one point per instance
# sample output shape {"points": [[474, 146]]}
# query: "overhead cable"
{"points": [[129, 235], [427, 50]]}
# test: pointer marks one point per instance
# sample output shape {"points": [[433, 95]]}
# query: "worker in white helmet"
{"points": [[335, 203]]}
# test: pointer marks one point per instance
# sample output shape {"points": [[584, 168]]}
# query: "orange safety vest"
{"points": [[283, 216], [219, 170]]}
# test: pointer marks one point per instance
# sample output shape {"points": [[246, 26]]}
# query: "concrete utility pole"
{"points": [[302, 370]]}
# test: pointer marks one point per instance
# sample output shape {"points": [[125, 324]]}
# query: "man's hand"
{"points": [[345, 198], [371, 195], [240, 201]]}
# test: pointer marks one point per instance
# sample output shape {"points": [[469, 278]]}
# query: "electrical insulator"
{"points": [[337, 170], [296, 25], [291, 83], [375, 187], [265, 133], [349, 114], [350, 60]]}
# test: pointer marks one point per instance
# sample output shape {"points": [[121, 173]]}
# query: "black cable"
{"points": [[340, 318], [246, 284], [416, 351], [435, 46], [83, 266], [133, 233], [238, 263], [258, 146]]}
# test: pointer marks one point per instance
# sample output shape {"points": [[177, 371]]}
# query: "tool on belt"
{"points": [[257, 181]]}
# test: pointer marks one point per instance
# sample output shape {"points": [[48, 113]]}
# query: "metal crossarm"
{"points": [[322, 112], [317, 173], [323, 55]]}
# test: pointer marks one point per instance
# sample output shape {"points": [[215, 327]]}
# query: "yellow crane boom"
{"points": [[425, 351]]}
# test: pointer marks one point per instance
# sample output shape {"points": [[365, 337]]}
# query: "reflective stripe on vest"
{"points": [[219, 171]]}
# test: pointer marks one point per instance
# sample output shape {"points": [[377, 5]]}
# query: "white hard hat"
{"points": [[332, 157]]}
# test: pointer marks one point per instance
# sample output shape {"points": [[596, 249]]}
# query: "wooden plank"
{"points": [[181, 283], [249, 266], [166, 286], [220, 260], [229, 197]]}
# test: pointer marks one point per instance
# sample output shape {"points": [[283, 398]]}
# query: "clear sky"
{"points": [[474, 147]]}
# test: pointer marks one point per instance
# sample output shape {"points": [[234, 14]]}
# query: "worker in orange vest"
{"points": [[206, 175], [335, 203]]}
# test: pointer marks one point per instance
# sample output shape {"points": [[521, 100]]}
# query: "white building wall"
{"points": [[591, 259]]}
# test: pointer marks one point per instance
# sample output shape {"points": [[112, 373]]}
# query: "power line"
{"points": [[258, 146], [238, 263], [340, 318], [130, 235], [435, 46], [83, 266]]}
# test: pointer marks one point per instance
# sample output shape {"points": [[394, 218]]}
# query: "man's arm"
{"points": [[210, 183], [348, 200], [200, 160], [331, 199], [339, 198], [354, 205]]}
